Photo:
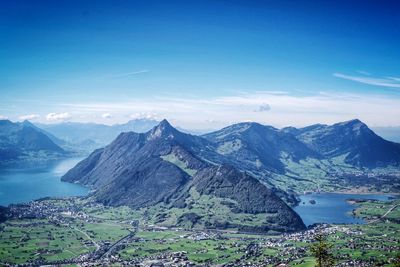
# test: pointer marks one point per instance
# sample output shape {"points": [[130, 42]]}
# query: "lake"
{"points": [[331, 207], [24, 185]]}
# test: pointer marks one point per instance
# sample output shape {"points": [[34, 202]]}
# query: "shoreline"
{"points": [[351, 193]]}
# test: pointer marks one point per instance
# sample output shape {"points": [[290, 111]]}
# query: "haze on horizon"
{"points": [[200, 64]]}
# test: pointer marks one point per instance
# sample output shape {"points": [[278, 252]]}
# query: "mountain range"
{"points": [[288, 160], [86, 137], [250, 173], [238, 169], [169, 168], [22, 141]]}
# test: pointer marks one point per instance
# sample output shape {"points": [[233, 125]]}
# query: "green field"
{"points": [[198, 251], [22, 242], [26, 240]]}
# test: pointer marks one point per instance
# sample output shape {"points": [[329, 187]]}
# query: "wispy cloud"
{"points": [[3, 117], [127, 74], [196, 113], [385, 82], [115, 76], [395, 78], [29, 117], [145, 115], [263, 108], [363, 72], [106, 116], [58, 116]]}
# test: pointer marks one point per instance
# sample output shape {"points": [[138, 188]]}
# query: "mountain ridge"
{"points": [[364, 147], [24, 142], [160, 167], [90, 136]]}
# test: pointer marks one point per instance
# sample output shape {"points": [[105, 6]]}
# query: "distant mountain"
{"points": [[167, 168], [25, 142], [52, 137], [339, 157], [253, 147], [89, 136], [359, 145]]}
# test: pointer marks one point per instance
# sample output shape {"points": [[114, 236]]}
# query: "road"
{"points": [[116, 244], [387, 213], [85, 234]]}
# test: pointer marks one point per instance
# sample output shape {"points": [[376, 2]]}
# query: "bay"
{"points": [[331, 207], [20, 185]]}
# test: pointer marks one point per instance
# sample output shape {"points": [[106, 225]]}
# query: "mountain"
{"points": [[52, 137], [89, 136], [248, 194], [340, 157], [176, 173], [359, 145], [163, 165], [23, 141], [253, 147]]}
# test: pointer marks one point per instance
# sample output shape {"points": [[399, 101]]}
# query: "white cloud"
{"points": [[144, 115], [363, 72], [263, 107], [201, 113], [123, 75], [29, 117], [58, 116], [384, 82], [395, 78], [3, 117], [106, 116]]}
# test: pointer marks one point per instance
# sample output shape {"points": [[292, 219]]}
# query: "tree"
{"points": [[397, 261], [320, 249]]}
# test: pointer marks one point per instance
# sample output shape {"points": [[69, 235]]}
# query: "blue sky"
{"points": [[201, 64]]}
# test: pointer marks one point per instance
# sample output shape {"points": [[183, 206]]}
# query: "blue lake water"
{"points": [[331, 207], [24, 185]]}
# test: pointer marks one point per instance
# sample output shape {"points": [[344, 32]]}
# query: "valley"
{"points": [[335, 175], [289, 159], [199, 133], [75, 231], [248, 194]]}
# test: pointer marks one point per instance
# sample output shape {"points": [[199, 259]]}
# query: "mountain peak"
{"points": [[27, 123], [242, 127], [354, 125], [163, 129], [351, 122], [164, 123]]}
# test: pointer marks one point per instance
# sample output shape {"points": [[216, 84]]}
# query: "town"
{"points": [[74, 231]]}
